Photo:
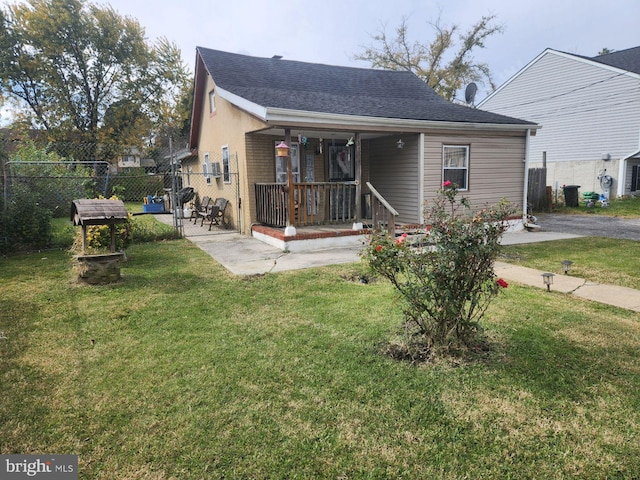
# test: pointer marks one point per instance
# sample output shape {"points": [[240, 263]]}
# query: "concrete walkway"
{"points": [[243, 255], [622, 297]]}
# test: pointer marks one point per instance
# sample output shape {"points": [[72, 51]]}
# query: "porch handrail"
{"points": [[383, 214], [382, 200]]}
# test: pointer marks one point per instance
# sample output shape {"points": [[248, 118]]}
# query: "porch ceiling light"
{"points": [[282, 149], [547, 278], [566, 266], [400, 144]]}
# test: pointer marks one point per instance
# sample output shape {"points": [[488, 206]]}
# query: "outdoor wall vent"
{"points": [[606, 157]]}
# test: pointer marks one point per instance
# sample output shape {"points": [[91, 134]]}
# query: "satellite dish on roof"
{"points": [[470, 93]]}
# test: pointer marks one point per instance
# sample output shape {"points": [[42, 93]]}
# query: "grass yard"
{"points": [[183, 371], [597, 259]]}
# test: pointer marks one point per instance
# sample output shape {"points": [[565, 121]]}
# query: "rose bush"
{"points": [[444, 274]]}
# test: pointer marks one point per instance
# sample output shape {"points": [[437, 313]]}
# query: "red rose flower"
{"points": [[401, 239], [379, 248], [446, 184], [502, 283]]}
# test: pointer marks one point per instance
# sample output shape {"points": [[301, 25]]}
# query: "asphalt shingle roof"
{"points": [[628, 59], [311, 87]]}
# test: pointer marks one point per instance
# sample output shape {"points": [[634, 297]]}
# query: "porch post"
{"points": [[290, 230], [358, 164]]}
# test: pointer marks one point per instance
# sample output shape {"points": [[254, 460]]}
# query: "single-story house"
{"points": [[363, 144], [589, 108]]}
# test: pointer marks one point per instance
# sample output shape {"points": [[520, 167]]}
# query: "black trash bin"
{"points": [[571, 195]]}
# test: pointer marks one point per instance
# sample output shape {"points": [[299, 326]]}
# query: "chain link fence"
{"points": [[40, 181]]}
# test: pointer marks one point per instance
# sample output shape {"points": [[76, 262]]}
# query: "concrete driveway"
{"points": [[591, 225]]}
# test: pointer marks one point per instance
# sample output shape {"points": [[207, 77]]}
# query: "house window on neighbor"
{"points": [[226, 172], [212, 102], [281, 165], [206, 168], [455, 165]]}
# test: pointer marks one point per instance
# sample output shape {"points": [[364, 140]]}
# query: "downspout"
{"points": [[239, 197], [622, 176], [421, 179], [525, 193]]}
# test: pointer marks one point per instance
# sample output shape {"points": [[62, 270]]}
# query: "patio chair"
{"points": [[216, 215], [197, 212]]}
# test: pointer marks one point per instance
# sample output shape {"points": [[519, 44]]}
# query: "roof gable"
{"points": [[624, 60], [273, 83]]}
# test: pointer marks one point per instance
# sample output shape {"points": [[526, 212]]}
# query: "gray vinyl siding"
{"points": [[394, 173], [496, 166], [585, 109], [496, 169]]}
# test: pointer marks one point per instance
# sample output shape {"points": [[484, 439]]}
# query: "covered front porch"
{"points": [[320, 184]]}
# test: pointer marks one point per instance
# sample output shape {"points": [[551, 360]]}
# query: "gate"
{"points": [[537, 189]]}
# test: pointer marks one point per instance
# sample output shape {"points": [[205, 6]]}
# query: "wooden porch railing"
{"points": [[316, 203], [383, 215], [321, 203]]}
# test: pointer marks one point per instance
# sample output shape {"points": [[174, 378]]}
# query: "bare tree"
{"points": [[443, 64]]}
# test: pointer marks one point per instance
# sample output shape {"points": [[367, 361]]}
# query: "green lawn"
{"points": [[183, 371]]}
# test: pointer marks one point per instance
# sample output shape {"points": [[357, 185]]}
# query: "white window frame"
{"points": [[212, 101], [207, 169], [226, 170], [446, 164], [281, 165]]}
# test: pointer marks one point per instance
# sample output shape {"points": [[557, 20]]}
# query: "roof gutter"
{"points": [[285, 116]]}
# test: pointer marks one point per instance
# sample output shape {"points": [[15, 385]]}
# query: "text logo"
{"points": [[49, 467]]}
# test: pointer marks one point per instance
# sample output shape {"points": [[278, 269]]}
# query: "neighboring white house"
{"points": [[589, 109], [133, 159]]}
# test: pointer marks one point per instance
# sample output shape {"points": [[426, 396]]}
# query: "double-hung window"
{"points": [[455, 165], [212, 102], [226, 171], [206, 168]]}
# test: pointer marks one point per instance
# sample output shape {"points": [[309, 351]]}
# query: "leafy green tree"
{"points": [[443, 64], [76, 66]]}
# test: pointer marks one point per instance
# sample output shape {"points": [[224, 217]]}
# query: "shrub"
{"points": [[446, 278], [24, 225], [52, 181]]}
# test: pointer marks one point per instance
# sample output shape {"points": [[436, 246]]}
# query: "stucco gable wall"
{"points": [[226, 126]]}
